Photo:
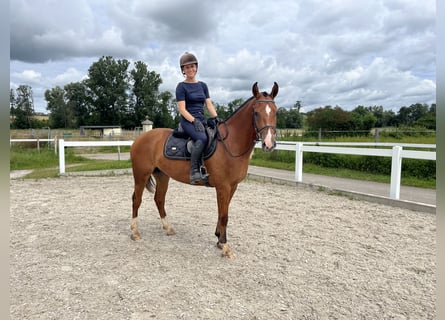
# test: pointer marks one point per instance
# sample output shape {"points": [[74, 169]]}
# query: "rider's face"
{"points": [[190, 70]]}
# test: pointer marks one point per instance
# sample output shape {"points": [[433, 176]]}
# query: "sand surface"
{"points": [[299, 254]]}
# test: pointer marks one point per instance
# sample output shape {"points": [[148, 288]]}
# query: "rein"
{"points": [[257, 132], [222, 139]]}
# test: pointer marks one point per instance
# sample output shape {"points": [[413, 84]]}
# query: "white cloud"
{"points": [[70, 75], [28, 76]]}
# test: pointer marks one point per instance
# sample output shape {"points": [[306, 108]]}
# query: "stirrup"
{"points": [[203, 171], [204, 177]]}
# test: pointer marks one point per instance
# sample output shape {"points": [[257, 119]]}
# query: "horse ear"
{"points": [[274, 90], [255, 90]]}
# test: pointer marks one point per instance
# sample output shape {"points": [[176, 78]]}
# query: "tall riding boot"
{"points": [[195, 162]]}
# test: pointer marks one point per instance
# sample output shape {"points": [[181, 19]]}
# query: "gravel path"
{"points": [[299, 254]]}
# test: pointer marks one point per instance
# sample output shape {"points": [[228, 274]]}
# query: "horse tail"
{"points": [[151, 184]]}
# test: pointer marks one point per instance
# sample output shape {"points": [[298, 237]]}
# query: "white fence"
{"points": [[396, 153], [63, 144], [37, 141]]}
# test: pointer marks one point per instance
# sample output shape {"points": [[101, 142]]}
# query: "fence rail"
{"points": [[396, 152], [37, 141]]}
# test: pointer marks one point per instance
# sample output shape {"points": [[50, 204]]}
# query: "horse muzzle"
{"points": [[269, 141], [268, 148]]}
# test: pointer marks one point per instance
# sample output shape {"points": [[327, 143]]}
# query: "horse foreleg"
{"points": [[224, 195], [161, 191]]}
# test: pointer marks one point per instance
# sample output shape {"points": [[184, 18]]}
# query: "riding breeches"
{"points": [[189, 129]]}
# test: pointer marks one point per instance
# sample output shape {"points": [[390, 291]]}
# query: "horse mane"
{"points": [[244, 103]]}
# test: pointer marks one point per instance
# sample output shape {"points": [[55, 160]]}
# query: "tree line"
{"points": [[113, 94]]}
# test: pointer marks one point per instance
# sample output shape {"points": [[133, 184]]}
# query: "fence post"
{"points": [[396, 172], [61, 156], [299, 162]]}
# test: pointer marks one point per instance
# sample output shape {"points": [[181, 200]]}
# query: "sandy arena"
{"points": [[299, 254]]}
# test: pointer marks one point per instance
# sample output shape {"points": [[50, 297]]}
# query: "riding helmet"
{"points": [[187, 58]]}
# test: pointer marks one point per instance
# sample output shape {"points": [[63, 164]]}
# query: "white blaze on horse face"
{"points": [[268, 139], [268, 110]]}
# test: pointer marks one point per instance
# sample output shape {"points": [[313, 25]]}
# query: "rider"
{"points": [[191, 96]]}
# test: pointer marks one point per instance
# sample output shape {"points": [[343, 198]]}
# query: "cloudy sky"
{"points": [[337, 52]]}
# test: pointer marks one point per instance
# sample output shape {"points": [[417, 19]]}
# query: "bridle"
{"points": [[267, 126], [257, 132]]}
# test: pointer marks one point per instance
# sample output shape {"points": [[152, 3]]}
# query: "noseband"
{"points": [[267, 126]]}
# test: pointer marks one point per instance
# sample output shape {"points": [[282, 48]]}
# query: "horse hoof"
{"points": [[170, 232], [226, 251], [135, 237]]}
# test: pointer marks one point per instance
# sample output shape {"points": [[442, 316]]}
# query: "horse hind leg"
{"points": [[162, 181]]}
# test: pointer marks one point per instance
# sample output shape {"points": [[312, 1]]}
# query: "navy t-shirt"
{"points": [[194, 95]]}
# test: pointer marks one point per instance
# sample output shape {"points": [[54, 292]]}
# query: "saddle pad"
{"points": [[176, 148]]}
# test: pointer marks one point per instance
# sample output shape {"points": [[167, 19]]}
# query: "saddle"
{"points": [[178, 144]]}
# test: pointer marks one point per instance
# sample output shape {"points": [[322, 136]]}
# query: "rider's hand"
{"points": [[213, 122]]}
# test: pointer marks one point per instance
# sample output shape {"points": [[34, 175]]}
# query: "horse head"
{"points": [[265, 116]]}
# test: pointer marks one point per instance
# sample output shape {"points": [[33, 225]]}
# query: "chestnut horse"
{"points": [[255, 120]]}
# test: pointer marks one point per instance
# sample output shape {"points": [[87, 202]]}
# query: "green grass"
{"points": [[22, 159], [105, 149], [101, 165]]}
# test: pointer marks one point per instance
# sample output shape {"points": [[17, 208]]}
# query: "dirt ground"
{"points": [[299, 254]]}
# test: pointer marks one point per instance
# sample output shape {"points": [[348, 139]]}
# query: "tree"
{"points": [[364, 119], [289, 118], [330, 119], [76, 96], [107, 85], [297, 105], [233, 105], [409, 115], [145, 93], [163, 114], [22, 107], [429, 119], [418, 111], [281, 117], [60, 115], [293, 117], [12, 106], [383, 118]]}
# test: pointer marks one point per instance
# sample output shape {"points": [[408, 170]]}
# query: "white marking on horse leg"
{"points": [[226, 251], [166, 226], [134, 230]]}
